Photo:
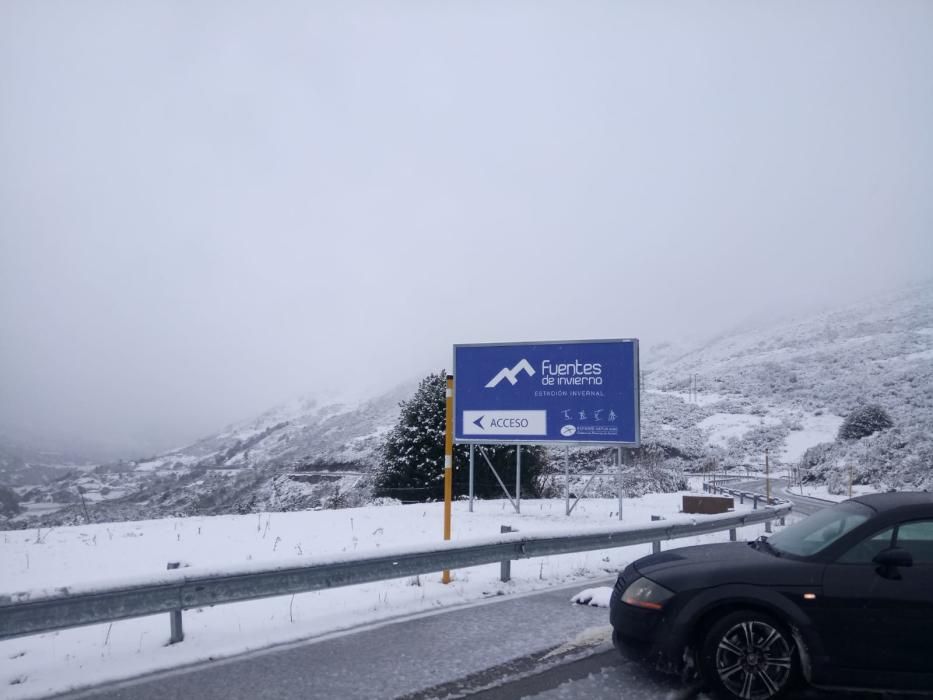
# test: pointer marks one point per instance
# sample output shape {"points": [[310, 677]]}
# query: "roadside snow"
{"points": [[822, 491], [594, 597], [88, 556]]}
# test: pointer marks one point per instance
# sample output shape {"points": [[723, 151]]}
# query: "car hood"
{"points": [[730, 562]]}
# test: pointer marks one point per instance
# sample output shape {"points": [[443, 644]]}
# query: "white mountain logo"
{"points": [[511, 374]]}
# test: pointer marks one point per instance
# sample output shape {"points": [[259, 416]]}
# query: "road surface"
{"points": [[804, 505], [536, 646]]}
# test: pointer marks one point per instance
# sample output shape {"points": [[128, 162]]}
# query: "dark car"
{"points": [[841, 599]]}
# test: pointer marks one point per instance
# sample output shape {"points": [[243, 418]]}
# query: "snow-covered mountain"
{"points": [[306, 453], [788, 387], [783, 388], [296, 434]]}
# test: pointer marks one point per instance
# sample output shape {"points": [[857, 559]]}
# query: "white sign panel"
{"points": [[505, 423]]}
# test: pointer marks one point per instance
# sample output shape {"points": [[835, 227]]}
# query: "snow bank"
{"points": [[83, 557], [594, 597]]}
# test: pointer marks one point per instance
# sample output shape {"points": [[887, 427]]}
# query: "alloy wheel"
{"points": [[754, 660]]}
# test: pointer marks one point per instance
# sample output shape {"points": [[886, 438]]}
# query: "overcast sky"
{"points": [[209, 207]]}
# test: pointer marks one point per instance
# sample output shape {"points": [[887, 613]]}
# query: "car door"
{"points": [[913, 617], [877, 623], [846, 612]]}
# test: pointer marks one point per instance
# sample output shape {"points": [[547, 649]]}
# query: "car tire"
{"points": [[749, 655]]}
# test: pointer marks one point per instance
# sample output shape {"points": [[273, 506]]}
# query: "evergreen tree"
{"points": [[413, 454], [9, 503], [864, 421]]}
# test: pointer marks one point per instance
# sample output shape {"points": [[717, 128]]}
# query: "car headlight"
{"points": [[645, 593]]}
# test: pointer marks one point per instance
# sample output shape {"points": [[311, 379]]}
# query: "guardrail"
{"points": [[717, 488], [180, 589], [714, 487]]}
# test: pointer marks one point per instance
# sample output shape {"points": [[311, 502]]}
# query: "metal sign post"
{"points": [[518, 478], [448, 465], [621, 479], [472, 448]]}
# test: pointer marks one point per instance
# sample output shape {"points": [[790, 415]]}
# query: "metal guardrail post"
{"points": [[656, 545], [742, 498], [767, 526], [755, 502], [505, 566], [783, 521], [733, 534], [177, 631]]}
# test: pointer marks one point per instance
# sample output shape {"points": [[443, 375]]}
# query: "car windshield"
{"points": [[812, 535]]}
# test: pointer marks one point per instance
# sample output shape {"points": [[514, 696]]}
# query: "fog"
{"points": [[208, 208]]}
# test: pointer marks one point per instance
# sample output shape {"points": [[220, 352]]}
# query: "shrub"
{"points": [[864, 421]]}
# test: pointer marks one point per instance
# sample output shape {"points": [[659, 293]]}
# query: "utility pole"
{"points": [[767, 479]]}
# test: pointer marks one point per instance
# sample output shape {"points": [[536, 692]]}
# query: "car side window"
{"points": [[868, 549], [917, 538]]}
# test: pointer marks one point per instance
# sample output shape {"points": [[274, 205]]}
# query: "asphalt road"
{"points": [[533, 646], [804, 505], [454, 652]]}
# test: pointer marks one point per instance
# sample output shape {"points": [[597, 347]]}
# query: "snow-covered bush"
{"points": [[864, 421], [898, 458]]}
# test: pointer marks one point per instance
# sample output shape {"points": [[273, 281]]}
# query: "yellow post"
{"points": [[767, 479], [448, 465]]}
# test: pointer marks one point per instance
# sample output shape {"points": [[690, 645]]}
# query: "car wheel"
{"points": [[748, 655]]}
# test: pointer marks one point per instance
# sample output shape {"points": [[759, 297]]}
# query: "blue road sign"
{"points": [[555, 392]]}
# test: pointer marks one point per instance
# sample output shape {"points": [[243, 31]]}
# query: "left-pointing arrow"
{"points": [[479, 422]]}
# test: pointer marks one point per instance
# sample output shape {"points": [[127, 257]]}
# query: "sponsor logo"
{"points": [[568, 430], [511, 374]]}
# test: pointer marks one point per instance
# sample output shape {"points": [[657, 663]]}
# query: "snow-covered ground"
{"points": [[706, 398], [814, 430], [724, 426], [822, 491], [89, 555]]}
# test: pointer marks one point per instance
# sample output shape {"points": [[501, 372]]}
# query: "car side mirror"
{"points": [[890, 559]]}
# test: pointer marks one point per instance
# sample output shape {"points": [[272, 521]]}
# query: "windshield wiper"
{"points": [[762, 543]]}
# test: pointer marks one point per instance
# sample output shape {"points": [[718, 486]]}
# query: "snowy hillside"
{"points": [[784, 388], [787, 389], [297, 433], [305, 454]]}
